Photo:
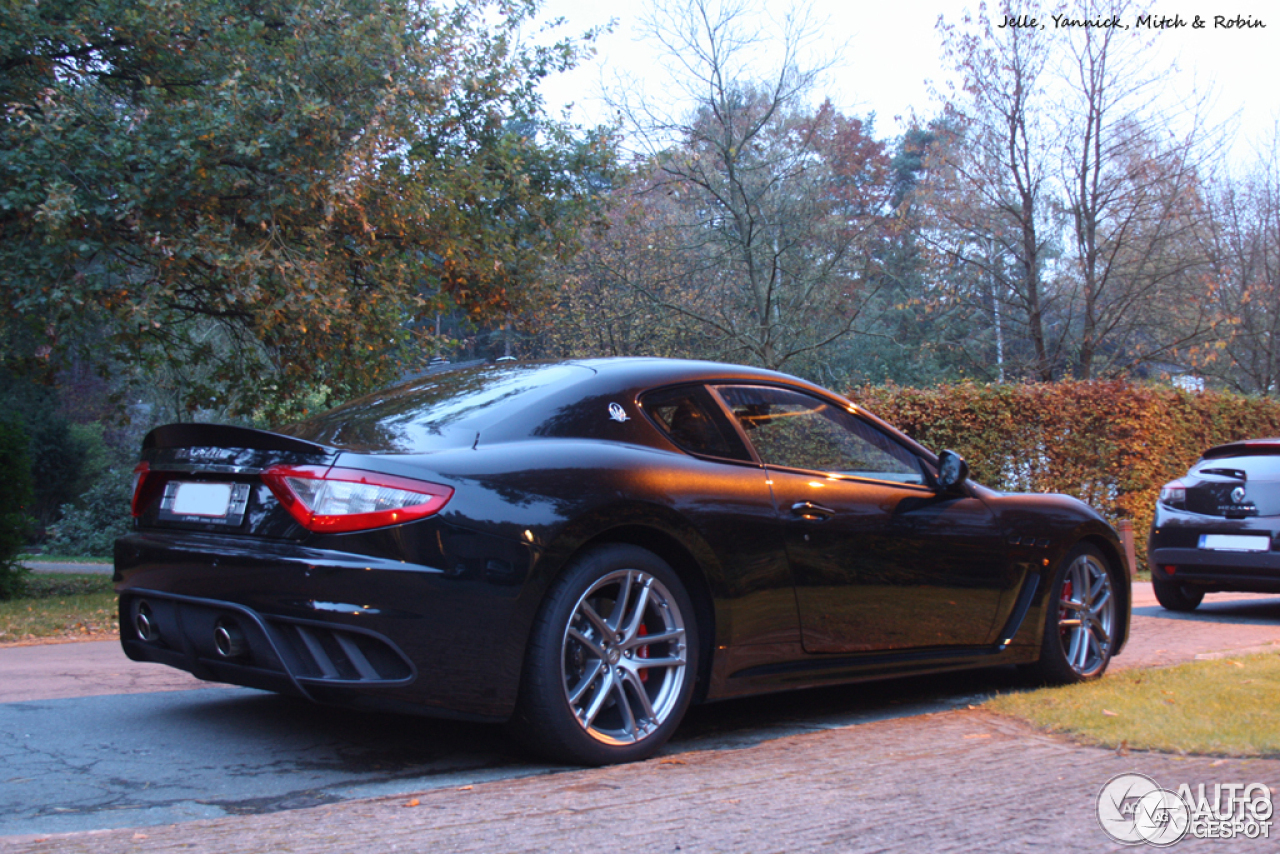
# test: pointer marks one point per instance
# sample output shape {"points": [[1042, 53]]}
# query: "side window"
{"points": [[684, 414], [796, 430]]}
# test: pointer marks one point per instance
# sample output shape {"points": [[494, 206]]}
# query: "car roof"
{"points": [[507, 401]]}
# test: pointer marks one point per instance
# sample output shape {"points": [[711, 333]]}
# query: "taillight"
{"points": [[335, 501], [139, 503], [1174, 494]]}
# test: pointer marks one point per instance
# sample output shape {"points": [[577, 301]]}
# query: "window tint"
{"points": [[683, 416], [797, 430]]}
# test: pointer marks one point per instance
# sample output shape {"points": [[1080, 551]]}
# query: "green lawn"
{"points": [[1222, 707], [60, 606]]}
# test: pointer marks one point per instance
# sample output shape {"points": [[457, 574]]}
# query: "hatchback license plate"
{"points": [[1235, 543]]}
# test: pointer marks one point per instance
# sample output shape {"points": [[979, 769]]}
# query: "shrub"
{"points": [[90, 525], [15, 501]]}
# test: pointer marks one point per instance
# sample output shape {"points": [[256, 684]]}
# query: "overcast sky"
{"points": [[891, 49]]}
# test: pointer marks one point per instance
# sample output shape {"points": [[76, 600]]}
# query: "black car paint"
{"points": [[456, 594]]}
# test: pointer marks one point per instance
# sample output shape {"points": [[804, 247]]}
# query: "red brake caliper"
{"points": [[643, 652], [1067, 590]]}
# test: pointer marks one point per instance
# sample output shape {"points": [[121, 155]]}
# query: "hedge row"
{"points": [[1112, 444]]}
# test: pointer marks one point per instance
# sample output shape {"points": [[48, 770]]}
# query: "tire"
{"points": [[612, 660], [1176, 597], [1082, 617]]}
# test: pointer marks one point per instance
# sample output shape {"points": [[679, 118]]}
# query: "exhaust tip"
{"points": [[144, 623], [228, 640]]}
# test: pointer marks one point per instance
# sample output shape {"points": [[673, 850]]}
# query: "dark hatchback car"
{"points": [[1216, 527], [581, 549]]}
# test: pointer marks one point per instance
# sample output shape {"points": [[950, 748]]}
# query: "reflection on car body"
{"points": [[497, 544]]}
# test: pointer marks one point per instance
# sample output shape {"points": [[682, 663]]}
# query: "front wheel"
{"points": [[611, 661], [1082, 618]]}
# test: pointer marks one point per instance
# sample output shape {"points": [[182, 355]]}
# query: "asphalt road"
{"points": [[90, 740]]}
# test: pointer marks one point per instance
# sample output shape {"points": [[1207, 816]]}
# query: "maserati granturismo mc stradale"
{"points": [[582, 549]]}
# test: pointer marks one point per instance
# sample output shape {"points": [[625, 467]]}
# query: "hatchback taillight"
{"points": [[1174, 494], [337, 500]]}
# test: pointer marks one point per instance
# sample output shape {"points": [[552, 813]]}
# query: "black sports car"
{"points": [[582, 549], [1215, 527]]}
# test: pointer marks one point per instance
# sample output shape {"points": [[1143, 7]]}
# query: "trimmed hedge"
{"points": [[1111, 444]]}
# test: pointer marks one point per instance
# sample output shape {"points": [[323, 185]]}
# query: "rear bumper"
{"points": [[1218, 570], [224, 642], [335, 627]]}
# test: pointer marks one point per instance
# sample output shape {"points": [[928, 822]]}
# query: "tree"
{"points": [[1133, 192], [1066, 205], [1243, 245], [991, 190], [269, 194], [780, 201]]}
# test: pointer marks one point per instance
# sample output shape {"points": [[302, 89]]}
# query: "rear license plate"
{"points": [[201, 501], [1235, 543]]}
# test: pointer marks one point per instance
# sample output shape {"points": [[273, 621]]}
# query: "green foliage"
{"points": [[1111, 444], [240, 191], [60, 454], [15, 499], [91, 525]]}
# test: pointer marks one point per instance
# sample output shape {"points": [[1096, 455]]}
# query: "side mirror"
{"points": [[952, 471]]}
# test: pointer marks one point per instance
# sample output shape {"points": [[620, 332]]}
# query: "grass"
{"points": [[44, 558], [1222, 707], [60, 607]]}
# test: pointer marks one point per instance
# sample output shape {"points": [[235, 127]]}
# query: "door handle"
{"points": [[811, 512]]}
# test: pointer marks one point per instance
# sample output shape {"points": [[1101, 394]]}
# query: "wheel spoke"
{"points": [[637, 612], [654, 639], [588, 715], [619, 611], [595, 619], [619, 691], [660, 663], [1079, 649], [584, 683], [646, 707], [589, 643]]}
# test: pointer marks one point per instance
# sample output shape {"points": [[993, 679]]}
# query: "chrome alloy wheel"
{"points": [[624, 658], [1087, 615]]}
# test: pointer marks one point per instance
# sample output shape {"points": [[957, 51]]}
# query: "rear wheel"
{"points": [[1176, 597], [1082, 618], [611, 662]]}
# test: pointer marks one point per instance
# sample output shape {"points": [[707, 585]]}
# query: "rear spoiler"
{"points": [[189, 435], [1244, 448]]}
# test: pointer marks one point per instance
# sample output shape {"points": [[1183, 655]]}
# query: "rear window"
{"points": [[1253, 467], [437, 411]]}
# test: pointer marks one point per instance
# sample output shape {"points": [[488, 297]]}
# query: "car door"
{"points": [[880, 560]]}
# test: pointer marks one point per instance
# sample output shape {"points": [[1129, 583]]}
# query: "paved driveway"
{"points": [[900, 766]]}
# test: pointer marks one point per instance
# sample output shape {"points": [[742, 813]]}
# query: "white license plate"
{"points": [[202, 499], [1235, 543]]}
